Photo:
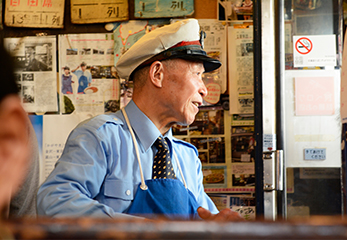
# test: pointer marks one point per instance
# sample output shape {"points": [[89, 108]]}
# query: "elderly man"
{"points": [[128, 163]]}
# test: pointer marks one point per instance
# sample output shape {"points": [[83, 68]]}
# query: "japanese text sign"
{"points": [[95, 11], [163, 8], [34, 13]]}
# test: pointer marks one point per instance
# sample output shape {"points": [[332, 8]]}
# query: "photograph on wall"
{"points": [[88, 79], [215, 176], [240, 58], [209, 122], [211, 150], [34, 13], [243, 174], [206, 133], [242, 143], [35, 59]]}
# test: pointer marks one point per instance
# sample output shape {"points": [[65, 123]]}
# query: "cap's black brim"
{"points": [[210, 64]]}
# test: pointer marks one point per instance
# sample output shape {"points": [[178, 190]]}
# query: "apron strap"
{"points": [[143, 185], [179, 167]]}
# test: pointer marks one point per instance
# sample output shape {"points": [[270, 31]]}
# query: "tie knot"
{"points": [[161, 143]]}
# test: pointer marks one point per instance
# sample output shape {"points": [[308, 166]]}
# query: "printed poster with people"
{"points": [[88, 80], [35, 59]]}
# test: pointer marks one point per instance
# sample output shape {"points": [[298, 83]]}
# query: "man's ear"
{"points": [[14, 148], [156, 73]]}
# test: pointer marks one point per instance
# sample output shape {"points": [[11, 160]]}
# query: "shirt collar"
{"points": [[144, 128]]}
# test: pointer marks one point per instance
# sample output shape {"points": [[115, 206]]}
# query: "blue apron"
{"points": [[83, 83], [162, 198]]}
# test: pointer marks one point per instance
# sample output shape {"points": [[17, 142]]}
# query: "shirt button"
{"points": [[127, 192]]}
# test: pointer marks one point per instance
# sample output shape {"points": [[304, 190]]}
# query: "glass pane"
{"points": [[311, 17], [313, 191]]}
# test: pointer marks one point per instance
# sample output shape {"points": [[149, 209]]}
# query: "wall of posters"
{"points": [[88, 80], [34, 13], [35, 58]]}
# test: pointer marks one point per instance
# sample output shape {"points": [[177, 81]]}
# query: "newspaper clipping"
{"points": [[88, 79], [35, 59], [240, 45]]}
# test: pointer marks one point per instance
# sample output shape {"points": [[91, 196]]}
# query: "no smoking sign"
{"points": [[303, 45], [314, 50]]}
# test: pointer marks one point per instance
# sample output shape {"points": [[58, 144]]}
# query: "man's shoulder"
{"points": [[184, 143], [101, 120]]}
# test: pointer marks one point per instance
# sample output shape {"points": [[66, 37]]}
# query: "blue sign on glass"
{"points": [[163, 8], [315, 153]]}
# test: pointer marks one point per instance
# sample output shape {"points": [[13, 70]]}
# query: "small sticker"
{"points": [[314, 153]]}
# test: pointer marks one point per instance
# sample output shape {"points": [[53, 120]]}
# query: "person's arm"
{"points": [[70, 189], [73, 70]]}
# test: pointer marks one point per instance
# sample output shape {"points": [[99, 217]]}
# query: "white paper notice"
{"points": [[56, 129], [314, 51]]}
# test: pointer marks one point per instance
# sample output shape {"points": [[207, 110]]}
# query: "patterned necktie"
{"points": [[162, 166]]}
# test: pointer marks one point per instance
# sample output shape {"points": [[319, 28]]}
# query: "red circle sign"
{"points": [[303, 45]]}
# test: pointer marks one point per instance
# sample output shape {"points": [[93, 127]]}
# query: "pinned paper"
{"points": [[314, 96]]}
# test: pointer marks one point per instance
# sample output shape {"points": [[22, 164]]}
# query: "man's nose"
{"points": [[203, 90]]}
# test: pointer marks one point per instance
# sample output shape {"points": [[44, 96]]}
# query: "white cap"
{"points": [[181, 39]]}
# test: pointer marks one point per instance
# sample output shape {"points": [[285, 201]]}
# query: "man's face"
{"points": [[14, 148], [83, 67], [30, 54], [184, 90]]}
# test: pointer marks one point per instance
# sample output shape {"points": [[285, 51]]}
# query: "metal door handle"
{"points": [[277, 157]]}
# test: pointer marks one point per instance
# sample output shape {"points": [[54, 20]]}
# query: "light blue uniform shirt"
{"points": [[98, 173]]}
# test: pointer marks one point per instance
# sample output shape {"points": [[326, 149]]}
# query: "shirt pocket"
{"points": [[119, 189]]}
